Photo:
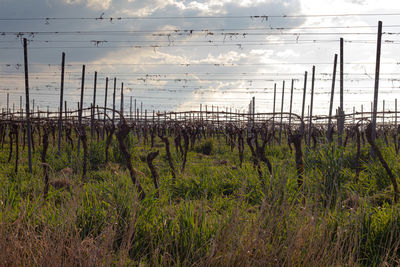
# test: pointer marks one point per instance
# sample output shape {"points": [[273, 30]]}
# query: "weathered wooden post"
{"points": [[7, 111], [303, 104], [254, 108], [61, 102], [130, 109], [113, 111], [341, 111], [7, 117], [206, 114], [376, 87], [201, 113], [105, 108], [395, 127], [28, 122], [217, 120], [273, 112], [134, 110], [291, 102], [93, 106], [282, 101], [21, 117], [141, 110], [122, 100], [383, 113], [362, 116]]}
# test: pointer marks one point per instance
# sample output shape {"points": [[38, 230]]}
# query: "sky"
{"points": [[175, 55]]}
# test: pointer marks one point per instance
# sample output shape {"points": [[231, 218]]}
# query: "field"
{"points": [[231, 193]]}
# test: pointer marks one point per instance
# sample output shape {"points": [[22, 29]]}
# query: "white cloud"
{"points": [[288, 53], [261, 52], [99, 4], [143, 8], [92, 4]]}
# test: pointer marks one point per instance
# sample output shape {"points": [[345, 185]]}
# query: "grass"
{"points": [[214, 214]]}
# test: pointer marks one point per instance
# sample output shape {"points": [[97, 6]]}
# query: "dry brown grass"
{"points": [[22, 244]]}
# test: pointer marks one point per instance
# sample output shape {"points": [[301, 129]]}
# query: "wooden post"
{"points": [[81, 105], [115, 88], [93, 106], [217, 117], [141, 110], [383, 114], [206, 114], [329, 135], [376, 87], [122, 100], [254, 108], [311, 106], [61, 102], [145, 127], [105, 108], [249, 124], [8, 100], [135, 110], [7, 116], [341, 72], [273, 112], [130, 109], [341, 109], [303, 103], [21, 117], [28, 122], [282, 100], [395, 125], [201, 113], [362, 115], [291, 102]]}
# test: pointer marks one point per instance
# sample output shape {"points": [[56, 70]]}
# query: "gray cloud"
{"points": [[172, 91]]}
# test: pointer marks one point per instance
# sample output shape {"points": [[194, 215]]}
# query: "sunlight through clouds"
{"points": [[171, 53]]}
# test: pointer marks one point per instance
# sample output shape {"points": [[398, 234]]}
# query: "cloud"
{"points": [[159, 74], [99, 4], [288, 53], [92, 4]]}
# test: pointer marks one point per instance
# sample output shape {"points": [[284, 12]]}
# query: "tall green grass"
{"points": [[214, 214]]}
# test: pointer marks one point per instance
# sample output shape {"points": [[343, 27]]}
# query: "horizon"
{"points": [[175, 56]]}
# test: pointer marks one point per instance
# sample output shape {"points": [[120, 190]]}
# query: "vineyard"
{"points": [[97, 185], [197, 188]]}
